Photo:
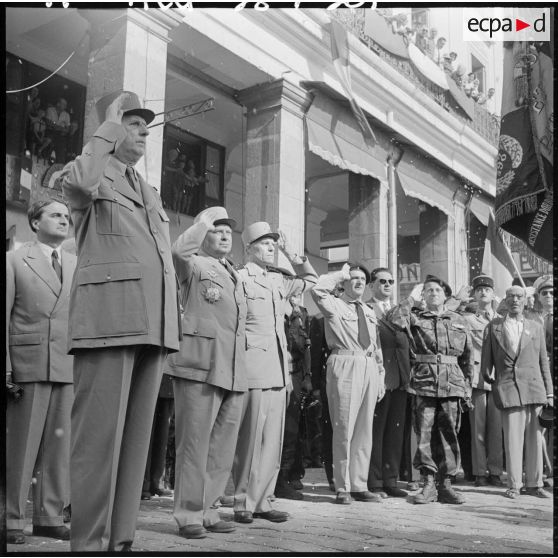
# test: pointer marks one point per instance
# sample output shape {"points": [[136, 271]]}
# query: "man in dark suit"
{"points": [[514, 359], [389, 415], [123, 321], [38, 279]]}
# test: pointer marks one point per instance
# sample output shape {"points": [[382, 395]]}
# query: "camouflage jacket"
{"points": [[442, 359]]}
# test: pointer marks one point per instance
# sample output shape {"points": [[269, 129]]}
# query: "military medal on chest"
{"points": [[212, 294]]}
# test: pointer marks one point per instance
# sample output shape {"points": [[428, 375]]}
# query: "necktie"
{"points": [[56, 265], [363, 335], [132, 180]]}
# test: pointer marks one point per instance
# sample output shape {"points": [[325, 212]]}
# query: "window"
{"points": [[192, 175], [478, 69]]}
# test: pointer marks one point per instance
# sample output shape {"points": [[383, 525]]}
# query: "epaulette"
{"points": [[279, 270]]}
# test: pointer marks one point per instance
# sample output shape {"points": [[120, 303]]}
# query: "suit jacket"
{"points": [[266, 343], [212, 346], [125, 288], [522, 378], [37, 316], [395, 350]]}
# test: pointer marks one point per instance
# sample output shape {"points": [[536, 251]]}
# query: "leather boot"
{"points": [[428, 492], [447, 495], [284, 490]]}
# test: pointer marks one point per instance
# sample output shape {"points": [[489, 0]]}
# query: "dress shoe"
{"points": [[67, 513], [243, 516], [379, 491], [15, 536], [512, 493], [161, 492], [272, 515], [447, 495], [332, 486], [60, 532], [296, 484], [285, 490], [366, 496], [413, 486], [343, 498], [221, 527], [539, 492], [146, 495], [227, 501], [192, 531], [126, 547], [395, 492], [481, 481], [494, 480]]}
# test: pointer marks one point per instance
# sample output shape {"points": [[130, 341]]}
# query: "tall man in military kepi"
{"points": [[355, 378], [209, 372], [258, 452], [123, 321], [442, 368]]}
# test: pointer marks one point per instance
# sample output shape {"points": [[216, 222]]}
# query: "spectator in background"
{"points": [[431, 48], [475, 93], [439, 51], [58, 124], [422, 40], [469, 84], [449, 62], [458, 75], [398, 23]]}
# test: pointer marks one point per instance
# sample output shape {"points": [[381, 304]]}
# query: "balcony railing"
{"points": [[483, 123]]}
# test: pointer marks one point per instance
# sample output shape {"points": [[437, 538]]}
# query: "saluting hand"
{"points": [[114, 111], [208, 217], [346, 271], [416, 293]]}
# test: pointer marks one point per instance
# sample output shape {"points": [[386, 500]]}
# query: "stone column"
{"points": [[368, 221], [129, 51], [275, 179], [434, 243]]}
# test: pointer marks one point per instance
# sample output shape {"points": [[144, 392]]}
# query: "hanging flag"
{"points": [[524, 188], [497, 260], [340, 57]]}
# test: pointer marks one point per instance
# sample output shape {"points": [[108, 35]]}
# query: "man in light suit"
{"points": [[514, 359], [260, 439], [389, 415], [38, 279], [123, 321], [485, 418], [209, 372]]}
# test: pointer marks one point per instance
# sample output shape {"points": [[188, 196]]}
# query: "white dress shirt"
{"points": [[513, 328]]}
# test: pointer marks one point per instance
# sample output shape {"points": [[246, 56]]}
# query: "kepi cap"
{"points": [[130, 106], [544, 281], [257, 231], [482, 281], [220, 214], [441, 282]]}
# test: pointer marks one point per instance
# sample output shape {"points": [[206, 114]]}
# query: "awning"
{"points": [[481, 209], [333, 134], [458, 100], [380, 31], [428, 68], [423, 181]]}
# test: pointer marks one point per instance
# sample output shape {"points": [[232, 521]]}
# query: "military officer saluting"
{"points": [[209, 372]]}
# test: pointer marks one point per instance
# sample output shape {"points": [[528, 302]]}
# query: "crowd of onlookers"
{"points": [[431, 45]]}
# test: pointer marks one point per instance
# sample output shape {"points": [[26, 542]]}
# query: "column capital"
{"points": [[275, 94]]}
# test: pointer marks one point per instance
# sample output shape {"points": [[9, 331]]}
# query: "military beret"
{"points": [[441, 282]]}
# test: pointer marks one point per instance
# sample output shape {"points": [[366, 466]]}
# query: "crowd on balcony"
{"points": [[427, 41]]}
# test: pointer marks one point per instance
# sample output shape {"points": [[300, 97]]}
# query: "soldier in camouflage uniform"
{"points": [[442, 368]]}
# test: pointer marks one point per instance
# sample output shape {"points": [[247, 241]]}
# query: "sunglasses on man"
{"points": [[385, 281]]}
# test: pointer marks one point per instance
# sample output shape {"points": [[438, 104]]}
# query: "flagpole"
{"points": [[510, 256]]}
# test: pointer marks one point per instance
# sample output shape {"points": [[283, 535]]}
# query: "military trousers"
{"points": [[115, 392], [38, 448], [207, 419], [436, 423], [486, 434], [352, 385]]}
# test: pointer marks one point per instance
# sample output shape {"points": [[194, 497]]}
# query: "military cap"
{"points": [[544, 281], [222, 217], [482, 281], [362, 268], [257, 231], [130, 106], [441, 282]]}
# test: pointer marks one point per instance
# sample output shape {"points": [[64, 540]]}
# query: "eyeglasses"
{"points": [[385, 281], [546, 292]]}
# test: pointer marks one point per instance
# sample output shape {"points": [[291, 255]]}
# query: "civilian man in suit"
{"points": [[355, 378], [485, 418], [514, 359], [260, 439], [209, 372], [389, 415], [38, 279], [123, 321]]}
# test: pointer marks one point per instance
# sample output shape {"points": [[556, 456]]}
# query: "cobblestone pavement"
{"points": [[487, 523]]}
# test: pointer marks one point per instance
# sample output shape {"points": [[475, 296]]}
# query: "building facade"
{"points": [[252, 115]]}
